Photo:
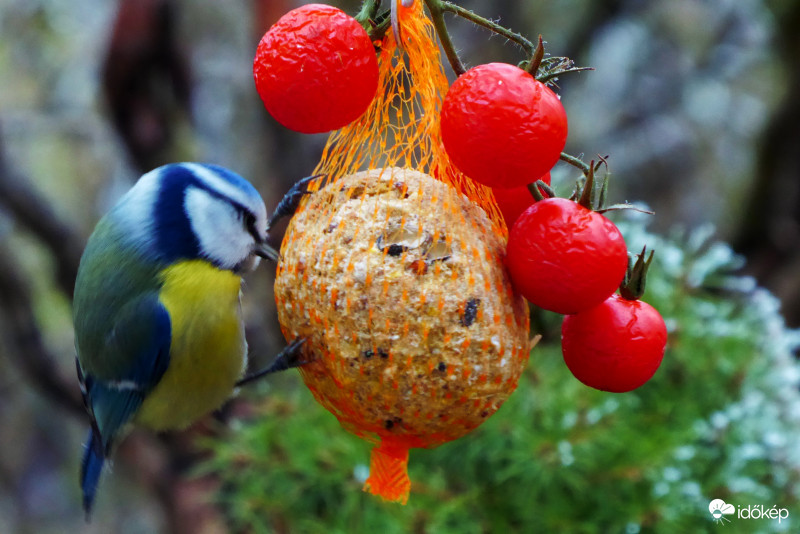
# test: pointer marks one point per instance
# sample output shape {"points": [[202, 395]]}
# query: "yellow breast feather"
{"points": [[208, 350]]}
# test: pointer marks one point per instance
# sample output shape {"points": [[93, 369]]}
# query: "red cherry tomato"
{"points": [[616, 346], [316, 69], [500, 126], [565, 258], [512, 202]]}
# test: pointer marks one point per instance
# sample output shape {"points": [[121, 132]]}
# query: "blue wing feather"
{"points": [[91, 467], [143, 332]]}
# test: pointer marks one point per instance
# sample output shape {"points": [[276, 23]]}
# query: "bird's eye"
{"points": [[250, 224]]}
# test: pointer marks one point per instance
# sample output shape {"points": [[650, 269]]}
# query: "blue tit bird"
{"points": [[159, 333]]}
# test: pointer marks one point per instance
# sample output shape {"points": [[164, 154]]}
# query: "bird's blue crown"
{"points": [[155, 215]]}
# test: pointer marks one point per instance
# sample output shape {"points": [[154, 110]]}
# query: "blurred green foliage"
{"points": [[719, 420]]}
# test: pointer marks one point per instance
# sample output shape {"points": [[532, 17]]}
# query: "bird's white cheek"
{"points": [[218, 229]]}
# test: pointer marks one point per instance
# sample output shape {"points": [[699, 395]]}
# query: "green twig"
{"points": [[575, 162], [369, 10], [635, 281], [603, 195], [544, 78], [536, 60], [536, 189], [586, 195], [375, 23], [526, 44], [550, 68], [379, 26], [625, 206], [436, 8]]}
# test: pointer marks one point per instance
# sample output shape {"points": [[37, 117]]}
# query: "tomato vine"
{"points": [[545, 69]]}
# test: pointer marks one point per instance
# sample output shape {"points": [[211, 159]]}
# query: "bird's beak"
{"points": [[265, 251]]}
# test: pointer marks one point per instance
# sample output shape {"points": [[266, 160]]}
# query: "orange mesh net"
{"points": [[397, 282], [401, 127]]}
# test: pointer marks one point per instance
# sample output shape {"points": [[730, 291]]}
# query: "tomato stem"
{"points": [[585, 199], [563, 65], [575, 162], [545, 188], [624, 206], [536, 189], [635, 281], [544, 70], [375, 23], [369, 12], [522, 41], [536, 60], [437, 9], [383, 23], [601, 199]]}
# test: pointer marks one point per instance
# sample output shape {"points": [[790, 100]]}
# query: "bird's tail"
{"points": [[91, 468]]}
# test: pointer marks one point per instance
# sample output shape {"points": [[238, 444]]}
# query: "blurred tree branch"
{"points": [[146, 81], [28, 350], [31, 210]]}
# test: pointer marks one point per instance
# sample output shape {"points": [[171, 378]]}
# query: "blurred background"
{"points": [[697, 104]]}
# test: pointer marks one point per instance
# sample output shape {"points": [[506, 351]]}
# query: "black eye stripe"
{"points": [[250, 224], [244, 213]]}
